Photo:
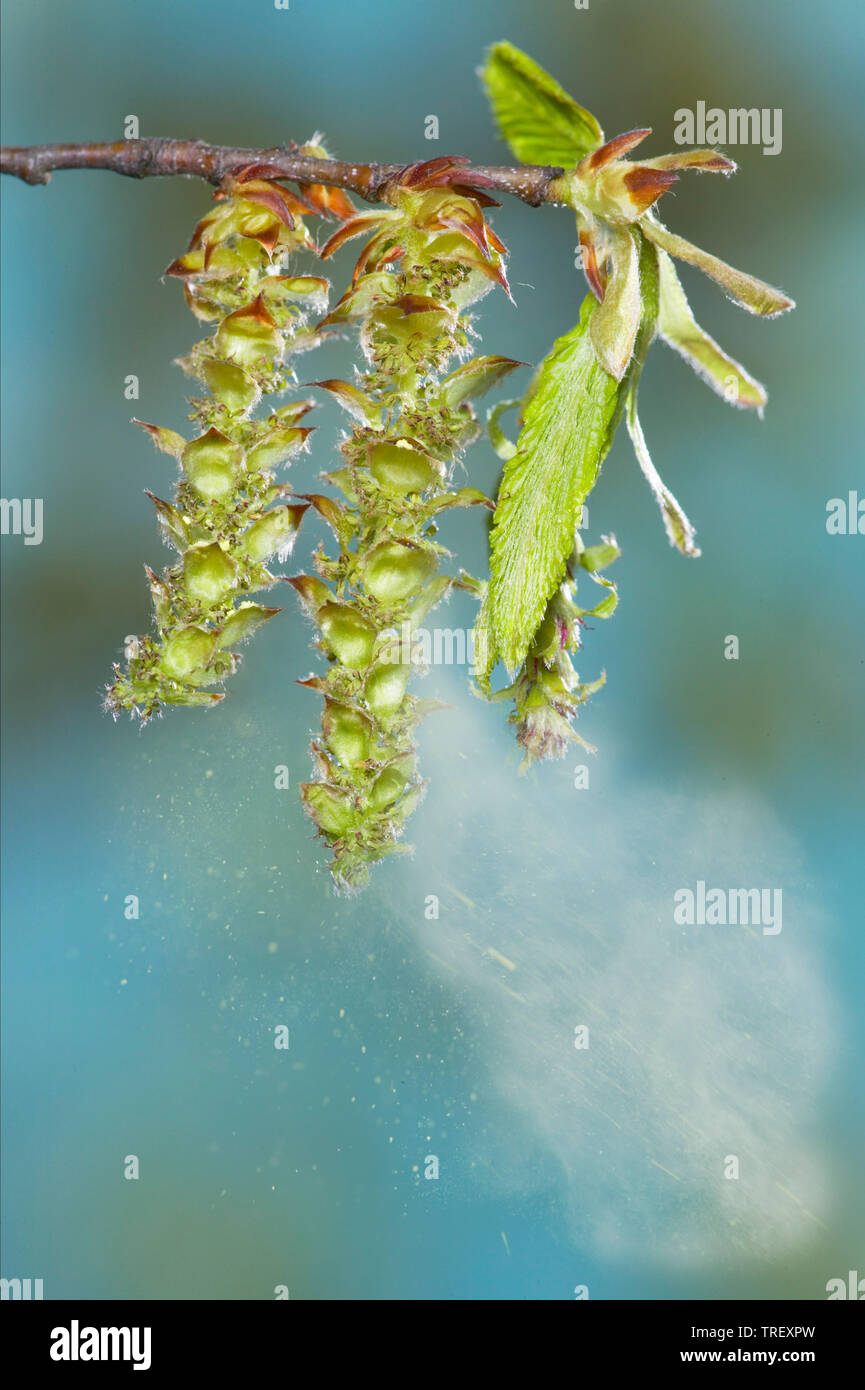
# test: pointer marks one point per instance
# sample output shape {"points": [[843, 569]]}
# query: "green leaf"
{"points": [[537, 118], [678, 328], [568, 428]]}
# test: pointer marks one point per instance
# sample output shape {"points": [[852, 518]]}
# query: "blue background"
{"points": [[410, 1036]]}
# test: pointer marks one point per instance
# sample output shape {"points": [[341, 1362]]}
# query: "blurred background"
{"points": [[413, 1036]]}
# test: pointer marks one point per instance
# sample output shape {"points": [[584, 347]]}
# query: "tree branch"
{"points": [[156, 157]]}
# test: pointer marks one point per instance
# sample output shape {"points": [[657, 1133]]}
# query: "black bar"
{"points": [[253, 1338]]}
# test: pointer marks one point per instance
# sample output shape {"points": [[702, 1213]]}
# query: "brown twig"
{"points": [[155, 157]]}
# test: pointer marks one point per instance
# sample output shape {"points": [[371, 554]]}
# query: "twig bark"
{"points": [[156, 157]]}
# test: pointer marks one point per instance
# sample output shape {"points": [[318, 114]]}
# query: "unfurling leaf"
{"points": [[678, 328], [537, 118], [679, 528], [752, 294], [616, 320], [703, 161]]}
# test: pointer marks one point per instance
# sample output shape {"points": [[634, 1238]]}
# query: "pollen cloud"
{"points": [[705, 1043]]}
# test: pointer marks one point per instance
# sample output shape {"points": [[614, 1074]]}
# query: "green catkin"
{"points": [[430, 256], [229, 516]]}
